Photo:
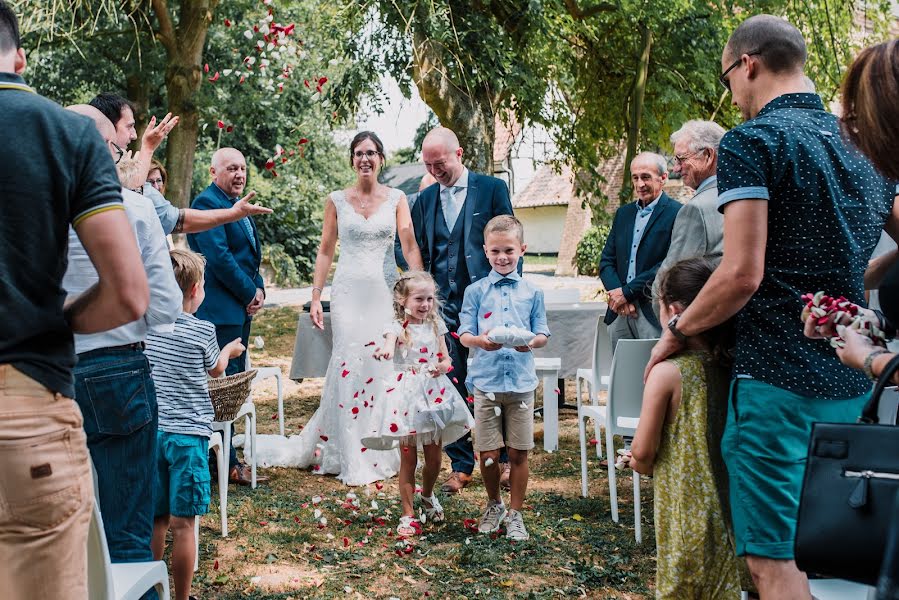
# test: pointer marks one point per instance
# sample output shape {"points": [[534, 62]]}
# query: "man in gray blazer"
{"points": [[699, 227]]}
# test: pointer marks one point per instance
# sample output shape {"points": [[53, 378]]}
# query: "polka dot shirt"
{"points": [[826, 208]]}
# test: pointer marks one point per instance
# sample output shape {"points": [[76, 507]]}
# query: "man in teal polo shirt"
{"points": [[802, 213]]}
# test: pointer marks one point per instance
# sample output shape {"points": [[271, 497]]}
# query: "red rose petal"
{"points": [[422, 360], [355, 410], [369, 344], [220, 124], [454, 334], [438, 400], [399, 377], [324, 438], [206, 68], [389, 390], [593, 441], [379, 485], [214, 78], [455, 380], [346, 542], [275, 417], [227, 23], [369, 380], [304, 141], [344, 373], [322, 80], [215, 565], [394, 428], [229, 128], [442, 391], [364, 449], [450, 369], [423, 350]]}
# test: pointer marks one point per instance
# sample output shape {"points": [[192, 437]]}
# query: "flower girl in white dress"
{"points": [[422, 409]]}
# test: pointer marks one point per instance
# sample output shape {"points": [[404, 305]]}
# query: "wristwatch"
{"points": [[672, 327], [869, 362]]}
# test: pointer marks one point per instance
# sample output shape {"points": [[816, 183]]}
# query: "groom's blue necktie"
{"points": [[246, 225]]}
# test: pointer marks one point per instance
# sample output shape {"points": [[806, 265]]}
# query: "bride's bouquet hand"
{"points": [[317, 314]]}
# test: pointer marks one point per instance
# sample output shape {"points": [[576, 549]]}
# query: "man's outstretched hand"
{"points": [[245, 209]]}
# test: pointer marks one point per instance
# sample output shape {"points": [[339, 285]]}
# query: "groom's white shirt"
{"points": [[451, 203]]}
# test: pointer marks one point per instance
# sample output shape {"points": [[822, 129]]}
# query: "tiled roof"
{"points": [[547, 188]]}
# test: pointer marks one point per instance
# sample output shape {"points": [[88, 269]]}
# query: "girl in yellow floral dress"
{"points": [[678, 442]]}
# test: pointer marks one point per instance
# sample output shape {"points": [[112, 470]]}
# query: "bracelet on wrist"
{"points": [[867, 366]]}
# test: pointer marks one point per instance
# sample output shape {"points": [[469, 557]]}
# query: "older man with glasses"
{"points": [[699, 227]]}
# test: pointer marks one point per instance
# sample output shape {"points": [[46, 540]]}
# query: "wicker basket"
{"points": [[229, 393]]}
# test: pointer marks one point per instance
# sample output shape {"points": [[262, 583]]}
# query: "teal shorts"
{"points": [[182, 474], [765, 445]]}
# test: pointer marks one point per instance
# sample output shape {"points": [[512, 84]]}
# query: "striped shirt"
{"points": [[180, 361]]}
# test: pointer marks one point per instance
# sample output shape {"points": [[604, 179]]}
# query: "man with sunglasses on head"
{"points": [[802, 213], [120, 112], [699, 227]]}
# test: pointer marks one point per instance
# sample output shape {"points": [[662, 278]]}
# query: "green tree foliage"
{"points": [[278, 122], [592, 72]]}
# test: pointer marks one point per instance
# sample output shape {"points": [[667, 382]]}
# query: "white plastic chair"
{"points": [[248, 412], [625, 399], [595, 378], [561, 295], [840, 589], [263, 373], [119, 581], [548, 370]]}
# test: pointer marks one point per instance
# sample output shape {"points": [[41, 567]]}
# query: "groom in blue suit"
{"points": [[449, 219], [234, 288]]}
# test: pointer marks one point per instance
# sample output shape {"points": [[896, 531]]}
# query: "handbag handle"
{"points": [[869, 414]]}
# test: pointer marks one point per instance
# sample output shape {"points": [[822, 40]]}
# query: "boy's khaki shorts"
{"points": [[516, 418]]}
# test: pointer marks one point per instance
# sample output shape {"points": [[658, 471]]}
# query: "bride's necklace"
{"points": [[363, 204]]}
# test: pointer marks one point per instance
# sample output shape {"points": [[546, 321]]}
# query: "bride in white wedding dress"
{"points": [[367, 216]]}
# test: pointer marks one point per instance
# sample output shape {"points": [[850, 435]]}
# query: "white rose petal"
{"points": [[497, 410], [248, 34], [317, 513], [316, 499], [490, 396]]}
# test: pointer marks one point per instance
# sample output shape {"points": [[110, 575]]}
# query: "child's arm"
{"points": [[445, 363], [232, 349], [468, 324], [663, 382], [538, 324], [386, 351]]}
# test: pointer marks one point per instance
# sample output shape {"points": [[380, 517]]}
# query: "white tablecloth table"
{"points": [[572, 327]]}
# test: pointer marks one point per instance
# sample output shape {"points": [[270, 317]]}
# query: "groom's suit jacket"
{"points": [[462, 249]]}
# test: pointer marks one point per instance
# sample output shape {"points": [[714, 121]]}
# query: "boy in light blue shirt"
{"points": [[503, 379]]}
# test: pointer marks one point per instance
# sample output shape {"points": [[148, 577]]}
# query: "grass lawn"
{"points": [[301, 535]]}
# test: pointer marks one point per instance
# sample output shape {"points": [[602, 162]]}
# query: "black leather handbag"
{"points": [[848, 494]]}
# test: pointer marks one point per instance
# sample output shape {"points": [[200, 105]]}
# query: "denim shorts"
{"points": [[182, 475], [765, 445]]}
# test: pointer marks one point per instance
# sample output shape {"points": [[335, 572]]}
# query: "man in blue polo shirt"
{"points": [[802, 213]]}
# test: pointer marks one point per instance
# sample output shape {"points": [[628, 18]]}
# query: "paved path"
{"points": [[587, 286]]}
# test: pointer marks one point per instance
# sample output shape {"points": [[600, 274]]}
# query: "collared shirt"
{"points": [[452, 199], [167, 213], [165, 295], [56, 171], [640, 221], [826, 208], [502, 300], [180, 361], [706, 184]]}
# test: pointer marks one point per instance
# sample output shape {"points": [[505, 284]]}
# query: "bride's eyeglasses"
{"points": [[370, 154]]}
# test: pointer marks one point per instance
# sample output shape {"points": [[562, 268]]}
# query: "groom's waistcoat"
{"points": [[450, 269]]}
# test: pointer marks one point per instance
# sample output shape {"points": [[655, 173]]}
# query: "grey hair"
{"points": [[699, 134], [659, 161]]}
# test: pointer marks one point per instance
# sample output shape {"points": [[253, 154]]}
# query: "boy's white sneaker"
{"points": [[493, 517], [515, 529]]}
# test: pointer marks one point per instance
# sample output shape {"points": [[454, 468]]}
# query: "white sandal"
{"points": [[408, 527], [433, 512]]}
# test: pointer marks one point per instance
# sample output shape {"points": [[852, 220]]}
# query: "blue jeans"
{"points": [[117, 397], [461, 452], [224, 334]]}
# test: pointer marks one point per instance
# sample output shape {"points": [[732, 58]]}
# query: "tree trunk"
{"points": [[470, 113], [636, 111], [137, 89], [183, 78]]}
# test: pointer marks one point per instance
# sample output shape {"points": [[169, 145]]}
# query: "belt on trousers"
{"points": [[136, 346]]}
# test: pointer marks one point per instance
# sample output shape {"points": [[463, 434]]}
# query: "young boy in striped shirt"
{"points": [[180, 360]]}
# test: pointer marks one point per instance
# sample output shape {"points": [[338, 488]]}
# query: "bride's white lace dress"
{"points": [[361, 306]]}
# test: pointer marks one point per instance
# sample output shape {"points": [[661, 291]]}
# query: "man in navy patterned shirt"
{"points": [[802, 213]]}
